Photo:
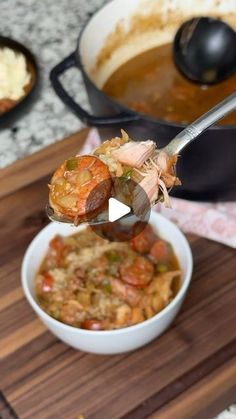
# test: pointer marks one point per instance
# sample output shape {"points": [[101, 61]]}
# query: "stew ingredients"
{"points": [[88, 282], [150, 84], [81, 186]]}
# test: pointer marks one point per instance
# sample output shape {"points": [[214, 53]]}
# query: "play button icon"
{"points": [[118, 214], [117, 210]]}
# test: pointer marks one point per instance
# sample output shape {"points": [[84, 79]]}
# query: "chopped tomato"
{"points": [[137, 273], [143, 237], [92, 324], [47, 282], [159, 251], [56, 243], [57, 246]]}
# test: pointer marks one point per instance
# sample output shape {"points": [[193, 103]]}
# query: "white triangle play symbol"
{"points": [[116, 210]]}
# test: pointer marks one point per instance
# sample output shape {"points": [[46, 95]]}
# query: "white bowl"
{"points": [[112, 341]]}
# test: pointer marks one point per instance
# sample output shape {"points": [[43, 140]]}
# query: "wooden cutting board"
{"points": [[189, 372]]}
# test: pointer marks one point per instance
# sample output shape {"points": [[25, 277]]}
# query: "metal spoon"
{"points": [[176, 145], [53, 217], [204, 50]]}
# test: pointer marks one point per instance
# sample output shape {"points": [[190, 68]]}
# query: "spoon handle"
{"points": [[193, 130]]}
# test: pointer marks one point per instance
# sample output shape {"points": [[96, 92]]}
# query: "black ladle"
{"points": [[204, 50]]}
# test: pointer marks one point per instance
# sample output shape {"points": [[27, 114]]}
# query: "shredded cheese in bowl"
{"points": [[13, 74]]}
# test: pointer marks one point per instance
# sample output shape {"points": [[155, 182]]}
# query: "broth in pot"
{"points": [[151, 84]]}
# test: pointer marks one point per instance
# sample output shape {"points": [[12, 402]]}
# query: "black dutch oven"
{"points": [[207, 168]]}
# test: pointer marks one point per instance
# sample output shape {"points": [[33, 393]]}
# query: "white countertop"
{"points": [[50, 30]]}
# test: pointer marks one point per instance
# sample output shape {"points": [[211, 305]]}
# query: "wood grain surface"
{"points": [[188, 373]]}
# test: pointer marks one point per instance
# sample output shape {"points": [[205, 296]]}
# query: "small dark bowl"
{"points": [[10, 116]]}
